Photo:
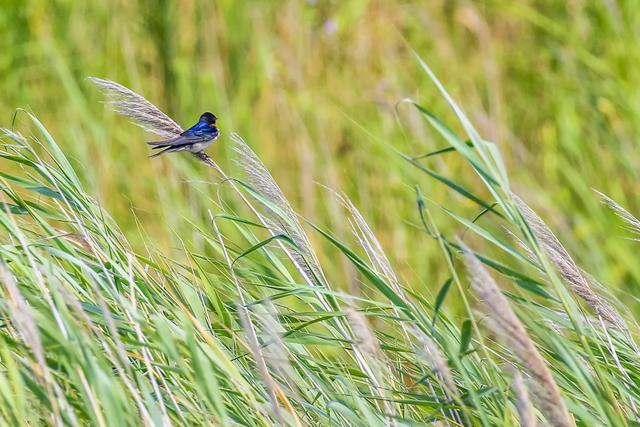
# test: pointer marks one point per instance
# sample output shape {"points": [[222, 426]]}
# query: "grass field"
{"points": [[386, 169]]}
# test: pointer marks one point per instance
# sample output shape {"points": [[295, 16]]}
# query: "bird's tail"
{"points": [[164, 143], [168, 149]]}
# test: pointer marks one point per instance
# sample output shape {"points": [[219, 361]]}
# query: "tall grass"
{"points": [[250, 329], [554, 85]]}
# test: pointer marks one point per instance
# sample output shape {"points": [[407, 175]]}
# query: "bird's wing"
{"points": [[180, 140]]}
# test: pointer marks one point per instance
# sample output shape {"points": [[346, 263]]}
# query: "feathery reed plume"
{"points": [[258, 357], [367, 344], [21, 316], [371, 245], [379, 261], [279, 215], [275, 351], [632, 222], [373, 248], [254, 347], [526, 412], [508, 327], [430, 352], [567, 267], [128, 103], [362, 333]]}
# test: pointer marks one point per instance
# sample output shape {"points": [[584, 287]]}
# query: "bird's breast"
{"points": [[199, 146]]}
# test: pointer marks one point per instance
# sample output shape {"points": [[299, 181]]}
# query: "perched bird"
{"points": [[195, 139]]}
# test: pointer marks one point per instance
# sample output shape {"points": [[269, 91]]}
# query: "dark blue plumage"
{"points": [[195, 139]]}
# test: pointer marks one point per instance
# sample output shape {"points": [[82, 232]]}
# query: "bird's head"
{"points": [[208, 118]]}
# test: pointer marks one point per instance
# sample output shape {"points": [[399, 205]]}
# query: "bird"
{"points": [[195, 139]]}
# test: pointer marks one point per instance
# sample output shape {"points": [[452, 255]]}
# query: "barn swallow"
{"points": [[195, 139]]}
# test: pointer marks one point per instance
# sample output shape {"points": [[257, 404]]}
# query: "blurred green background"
{"points": [[314, 87]]}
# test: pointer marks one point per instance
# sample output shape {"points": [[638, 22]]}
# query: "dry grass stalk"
{"points": [[526, 412], [508, 327], [567, 267]]}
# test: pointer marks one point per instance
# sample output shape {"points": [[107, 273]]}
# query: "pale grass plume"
{"points": [[526, 411], [119, 359], [567, 268], [366, 343], [371, 245], [633, 223], [278, 214], [271, 332], [507, 326], [429, 351], [261, 364], [587, 321], [22, 318], [134, 106], [276, 355], [378, 259], [363, 336]]}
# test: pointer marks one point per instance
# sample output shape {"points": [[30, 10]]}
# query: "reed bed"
{"points": [[251, 330]]}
